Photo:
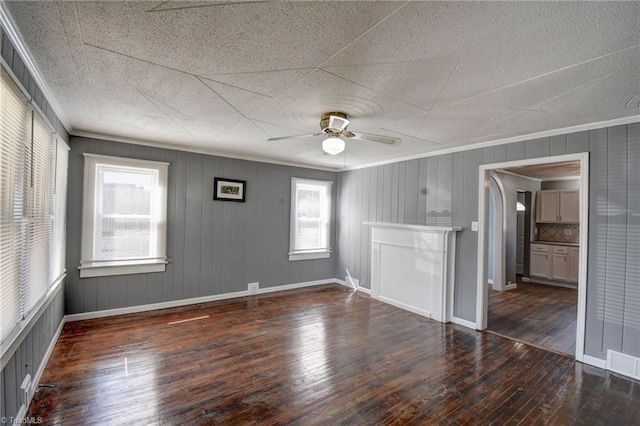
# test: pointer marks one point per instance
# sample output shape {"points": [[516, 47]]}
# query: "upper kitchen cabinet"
{"points": [[558, 206]]}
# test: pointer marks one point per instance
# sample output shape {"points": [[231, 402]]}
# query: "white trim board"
{"points": [[195, 300], [483, 194]]}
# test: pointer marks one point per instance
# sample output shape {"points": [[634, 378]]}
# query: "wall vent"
{"points": [[623, 364]]}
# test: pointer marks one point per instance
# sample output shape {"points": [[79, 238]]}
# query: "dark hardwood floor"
{"points": [[539, 314], [316, 356]]}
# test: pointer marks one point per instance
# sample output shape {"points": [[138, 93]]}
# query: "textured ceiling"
{"points": [[551, 171], [225, 76]]}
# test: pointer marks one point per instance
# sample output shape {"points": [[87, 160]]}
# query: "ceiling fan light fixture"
{"points": [[333, 145]]}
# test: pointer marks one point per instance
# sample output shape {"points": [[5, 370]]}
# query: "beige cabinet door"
{"points": [[574, 262], [548, 203], [569, 208], [559, 267], [539, 264]]}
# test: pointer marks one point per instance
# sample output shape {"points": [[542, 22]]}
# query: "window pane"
{"points": [[124, 224], [309, 203], [309, 234], [124, 238]]}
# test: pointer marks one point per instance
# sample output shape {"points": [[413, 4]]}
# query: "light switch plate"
{"points": [[474, 226]]}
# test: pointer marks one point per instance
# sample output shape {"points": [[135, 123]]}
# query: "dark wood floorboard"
{"points": [[539, 314], [316, 356]]}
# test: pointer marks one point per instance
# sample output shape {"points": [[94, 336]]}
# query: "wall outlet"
{"points": [[568, 231], [474, 226], [253, 288]]}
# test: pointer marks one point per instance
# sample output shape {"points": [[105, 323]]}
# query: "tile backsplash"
{"points": [[556, 232]]}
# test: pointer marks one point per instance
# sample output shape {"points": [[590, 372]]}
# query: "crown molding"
{"points": [[184, 148], [530, 136]]}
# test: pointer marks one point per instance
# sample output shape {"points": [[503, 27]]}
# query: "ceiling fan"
{"points": [[334, 125]]}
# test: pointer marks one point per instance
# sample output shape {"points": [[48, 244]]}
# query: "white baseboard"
{"points": [[596, 362], [154, 306], [526, 279], [463, 322], [364, 290], [299, 285], [193, 301], [404, 306], [511, 286]]}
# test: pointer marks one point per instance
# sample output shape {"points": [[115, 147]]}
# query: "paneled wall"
{"points": [[29, 355], [399, 192], [214, 247]]}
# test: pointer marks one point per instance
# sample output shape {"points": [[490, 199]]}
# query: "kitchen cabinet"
{"points": [[559, 264], [554, 262], [540, 264], [558, 206]]}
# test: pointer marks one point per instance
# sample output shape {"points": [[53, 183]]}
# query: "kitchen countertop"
{"points": [[556, 243]]}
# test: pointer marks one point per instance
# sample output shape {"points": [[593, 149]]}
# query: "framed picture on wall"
{"points": [[229, 189]]}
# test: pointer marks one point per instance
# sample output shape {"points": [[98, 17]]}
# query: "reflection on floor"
{"points": [[539, 314]]}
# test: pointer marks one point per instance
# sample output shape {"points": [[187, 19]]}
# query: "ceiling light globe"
{"points": [[333, 145]]}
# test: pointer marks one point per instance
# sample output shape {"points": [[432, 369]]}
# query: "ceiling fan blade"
{"points": [[295, 136], [373, 138], [338, 123]]}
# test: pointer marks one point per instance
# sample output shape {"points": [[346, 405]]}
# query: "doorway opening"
{"points": [[531, 263]]}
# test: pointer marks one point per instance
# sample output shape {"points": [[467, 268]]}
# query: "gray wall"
{"points": [[214, 247], [30, 353], [397, 193]]}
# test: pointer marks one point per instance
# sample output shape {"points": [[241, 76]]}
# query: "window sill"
{"points": [[309, 254], [122, 268]]}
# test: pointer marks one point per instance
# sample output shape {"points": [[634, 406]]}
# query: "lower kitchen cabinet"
{"points": [[552, 262]]}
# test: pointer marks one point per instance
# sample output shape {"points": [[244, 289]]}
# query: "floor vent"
{"points": [[623, 364]]}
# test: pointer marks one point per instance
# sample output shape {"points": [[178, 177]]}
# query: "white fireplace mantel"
{"points": [[412, 267]]}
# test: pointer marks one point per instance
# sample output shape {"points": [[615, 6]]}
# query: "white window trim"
{"points": [[95, 268], [320, 253]]}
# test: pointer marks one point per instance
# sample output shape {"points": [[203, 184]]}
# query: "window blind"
{"points": [[14, 131], [33, 182]]}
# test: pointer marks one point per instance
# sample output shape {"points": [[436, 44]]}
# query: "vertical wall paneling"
{"points": [[421, 218], [394, 192], [515, 151], [444, 203], [578, 142], [631, 315], [537, 148], [411, 193], [213, 247], [176, 252], [558, 145], [29, 355], [431, 183], [500, 153]]}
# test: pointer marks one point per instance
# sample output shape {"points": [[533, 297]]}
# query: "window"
{"points": [[310, 219], [124, 216], [33, 183]]}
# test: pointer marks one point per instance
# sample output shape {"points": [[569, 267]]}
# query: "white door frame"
{"points": [[482, 295]]}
